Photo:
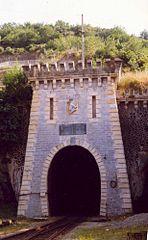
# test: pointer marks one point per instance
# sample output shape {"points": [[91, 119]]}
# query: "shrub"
{"points": [[9, 50], [19, 50], [133, 81], [17, 88], [1, 50]]}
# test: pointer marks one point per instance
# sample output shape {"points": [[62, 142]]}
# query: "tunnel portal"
{"points": [[74, 183]]}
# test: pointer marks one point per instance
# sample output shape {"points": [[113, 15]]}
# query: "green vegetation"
{"points": [[133, 81], [15, 101], [16, 94], [16, 89], [19, 225], [103, 233], [9, 211], [54, 41]]}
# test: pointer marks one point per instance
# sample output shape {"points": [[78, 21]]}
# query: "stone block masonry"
{"points": [[133, 113], [74, 99]]}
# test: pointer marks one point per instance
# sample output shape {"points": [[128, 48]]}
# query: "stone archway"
{"points": [[74, 184], [99, 161]]}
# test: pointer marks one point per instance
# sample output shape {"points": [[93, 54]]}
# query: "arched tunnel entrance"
{"points": [[74, 183]]}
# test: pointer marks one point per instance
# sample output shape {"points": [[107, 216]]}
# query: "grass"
{"points": [[80, 233], [133, 81], [101, 233], [19, 225], [9, 211]]}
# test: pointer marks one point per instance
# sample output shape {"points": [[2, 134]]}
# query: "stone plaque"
{"points": [[72, 129]]}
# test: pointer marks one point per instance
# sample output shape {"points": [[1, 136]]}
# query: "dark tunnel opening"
{"points": [[74, 183]]}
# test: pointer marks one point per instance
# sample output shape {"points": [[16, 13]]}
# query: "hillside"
{"points": [[53, 41]]}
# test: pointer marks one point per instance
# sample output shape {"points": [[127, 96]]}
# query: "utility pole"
{"points": [[83, 59]]}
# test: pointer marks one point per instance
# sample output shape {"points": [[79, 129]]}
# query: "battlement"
{"points": [[138, 98], [63, 73], [132, 94], [73, 67]]}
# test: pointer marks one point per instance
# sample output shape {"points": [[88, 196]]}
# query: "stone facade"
{"points": [[63, 95], [133, 114]]}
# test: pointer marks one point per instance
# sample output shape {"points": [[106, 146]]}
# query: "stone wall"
{"points": [[133, 114], [102, 137], [6, 192], [64, 82], [12, 158], [18, 57]]}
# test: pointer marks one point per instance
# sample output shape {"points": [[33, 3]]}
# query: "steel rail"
{"points": [[49, 231]]}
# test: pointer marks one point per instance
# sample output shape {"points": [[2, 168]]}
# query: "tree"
{"points": [[62, 27], [17, 92], [14, 99], [20, 38], [55, 40], [7, 28], [110, 48], [46, 32], [132, 53], [144, 34], [77, 29], [67, 43], [92, 45], [10, 125]]}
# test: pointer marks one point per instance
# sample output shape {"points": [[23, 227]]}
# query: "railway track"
{"points": [[48, 231]]}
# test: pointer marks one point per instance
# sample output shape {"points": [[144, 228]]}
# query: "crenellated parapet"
{"points": [[68, 72], [108, 66], [133, 96]]}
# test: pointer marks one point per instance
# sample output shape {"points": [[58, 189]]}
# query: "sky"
{"points": [[132, 15]]}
